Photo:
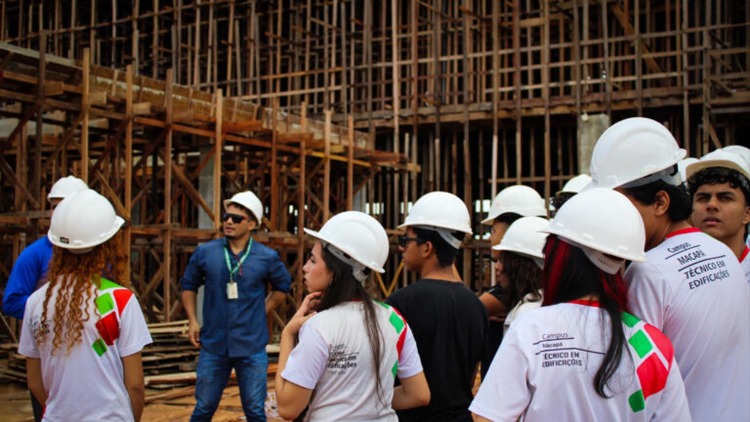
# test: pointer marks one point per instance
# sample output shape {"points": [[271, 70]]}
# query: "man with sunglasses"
{"points": [[446, 318], [235, 271]]}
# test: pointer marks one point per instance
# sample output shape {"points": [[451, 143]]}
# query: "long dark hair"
{"points": [[345, 287], [568, 275], [524, 276]]}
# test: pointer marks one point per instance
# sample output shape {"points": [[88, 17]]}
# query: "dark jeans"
{"points": [[213, 374]]}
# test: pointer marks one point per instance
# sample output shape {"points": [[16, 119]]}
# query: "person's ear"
{"points": [[661, 204], [427, 248]]}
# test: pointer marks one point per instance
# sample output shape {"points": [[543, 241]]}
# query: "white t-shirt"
{"points": [[87, 384], [546, 364], [522, 306], [334, 358], [693, 288]]}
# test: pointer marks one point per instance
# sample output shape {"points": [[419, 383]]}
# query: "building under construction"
{"points": [[167, 107]]}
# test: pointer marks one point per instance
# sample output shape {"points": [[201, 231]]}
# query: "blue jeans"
{"points": [[213, 374]]}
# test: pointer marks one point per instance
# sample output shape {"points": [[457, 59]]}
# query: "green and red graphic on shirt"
{"points": [[654, 359], [111, 301], [399, 324]]}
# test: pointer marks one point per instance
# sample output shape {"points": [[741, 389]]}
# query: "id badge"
{"points": [[232, 290]]}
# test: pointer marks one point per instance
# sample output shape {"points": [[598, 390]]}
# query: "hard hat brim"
{"points": [[693, 168], [326, 239], [637, 257], [57, 241]]}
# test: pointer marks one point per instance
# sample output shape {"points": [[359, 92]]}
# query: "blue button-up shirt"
{"points": [[235, 327]]}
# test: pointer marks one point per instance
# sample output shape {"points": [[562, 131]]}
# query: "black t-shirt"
{"points": [[449, 324]]}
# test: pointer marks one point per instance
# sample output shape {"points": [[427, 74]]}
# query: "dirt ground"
{"points": [[15, 405], [163, 405]]}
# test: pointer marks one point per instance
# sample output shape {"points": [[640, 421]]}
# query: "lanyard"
{"points": [[239, 263]]}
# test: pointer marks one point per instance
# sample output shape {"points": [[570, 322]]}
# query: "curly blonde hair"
{"points": [[71, 276]]}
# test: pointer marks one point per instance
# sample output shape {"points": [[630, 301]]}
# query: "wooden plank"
{"points": [[85, 116], [169, 164], [218, 147]]}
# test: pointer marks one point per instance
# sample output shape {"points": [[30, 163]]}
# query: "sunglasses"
{"points": [[236, 218], [403, 240]]}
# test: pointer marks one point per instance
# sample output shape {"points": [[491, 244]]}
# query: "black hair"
{"points": [[680, 206], [446, 254], [568, 275], [719, 175], [345, 287], [507, 218], [524, 275], [561, 198]]}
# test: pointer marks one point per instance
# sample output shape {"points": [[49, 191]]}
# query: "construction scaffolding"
{"points": [[168, 106]]}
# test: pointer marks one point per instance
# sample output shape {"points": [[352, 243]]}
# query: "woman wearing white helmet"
{"points": [[520, 265], [582, 356], [83, 333], [508, 206], [350, 348]]}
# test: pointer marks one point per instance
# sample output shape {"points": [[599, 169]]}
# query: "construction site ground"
{"points": [[15, 404]]}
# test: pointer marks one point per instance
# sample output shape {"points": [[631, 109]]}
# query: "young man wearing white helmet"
{"points": [[508, 206], [82, 332], [29, 272], [447, 319], [720, 187], [235, 271], [691, 286]]}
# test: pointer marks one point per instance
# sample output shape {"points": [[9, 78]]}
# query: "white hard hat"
{"points": [[441, 210], [603, 220], [720, 158], [518, 199], [525, 237], [632, 149], [682, 166], [359, 236], [577, 183], [248, 200], [82, 221], [66, 186], [740, 150]]}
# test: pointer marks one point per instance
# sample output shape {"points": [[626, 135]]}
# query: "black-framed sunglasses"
{"points": [[236, 218], [403, 240]]}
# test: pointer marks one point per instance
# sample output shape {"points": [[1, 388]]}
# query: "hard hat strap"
{"points": [[358, 270], [609, 265], [446, 234], [669, 175]]}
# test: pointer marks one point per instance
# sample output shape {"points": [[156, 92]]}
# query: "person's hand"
{"points": [[194, 333], [305, 311]]}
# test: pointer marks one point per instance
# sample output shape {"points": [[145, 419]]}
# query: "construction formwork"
{"points": [[464, 96], [166, 155]]}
